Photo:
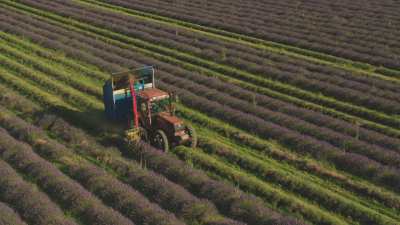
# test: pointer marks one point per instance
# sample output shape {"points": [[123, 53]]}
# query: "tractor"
{"points": [[149, 112]]}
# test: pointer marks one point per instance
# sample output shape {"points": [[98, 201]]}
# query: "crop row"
{"points": [[253, 42], [250, 182], [315, 190], [263, 100], [285, 202], [157, 188], [320, 83], [258, 9], [217, 49], [62, 128], [244, 58], [338, 125], [266, 149], [237, 209], [69, 194], [33, 206], [270, 28], [113, 192], [8, 216], [339, 140], [346, 161], [332, 126], [225, 50], [69, 77], [111, 58]]}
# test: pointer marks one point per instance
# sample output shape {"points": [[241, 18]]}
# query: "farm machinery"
{"points": [[149, 112]]}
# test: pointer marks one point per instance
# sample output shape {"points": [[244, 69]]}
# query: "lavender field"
{"points": [[296, 105]]}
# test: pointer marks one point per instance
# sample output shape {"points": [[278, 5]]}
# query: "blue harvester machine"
{"points": [[150, 112]]}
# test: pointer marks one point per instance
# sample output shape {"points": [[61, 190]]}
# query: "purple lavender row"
{"points": [[386, 103], [235, 203], [343, 160], [8, 216], [377, 164], [82, 39], [214, 48], [258, 9], [156, 187], [275, 29], [337, 139], [110, 190], [393, 144], [69, 194], [32, 205], [378, 154]]}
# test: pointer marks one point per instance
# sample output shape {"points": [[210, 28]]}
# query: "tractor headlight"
{"points": [[179, 127]]}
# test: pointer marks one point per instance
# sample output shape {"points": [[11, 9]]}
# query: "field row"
{"points": [[358, 40], [383, 119], [236, 210], [117, 60], [353, 91], [296, 187]]}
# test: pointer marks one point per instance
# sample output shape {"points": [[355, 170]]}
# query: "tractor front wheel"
{"points": [[193, 136], [160, 141]]}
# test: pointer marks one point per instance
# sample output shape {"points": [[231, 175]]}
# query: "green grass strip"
{"points": [[361, 68], [272, 150], [146, 48], [56, 56], [69, 94], [72, 78], [321, 192], [30, 89], [273, 196]]}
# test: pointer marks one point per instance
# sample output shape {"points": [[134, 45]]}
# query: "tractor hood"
{"points": [[170, 119]]}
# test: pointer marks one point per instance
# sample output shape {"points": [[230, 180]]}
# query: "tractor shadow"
{"points": [[94, 123]]}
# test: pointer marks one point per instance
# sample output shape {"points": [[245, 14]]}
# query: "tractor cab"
{"points": [[150, 112]]}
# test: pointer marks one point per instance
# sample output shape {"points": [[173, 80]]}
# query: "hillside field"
{"points": [[296, 105]]}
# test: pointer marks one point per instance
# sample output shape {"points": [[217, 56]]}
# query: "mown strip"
{"points": [[249, 182], [107, 188], [278, 153], [71, 78], [241, 206], [318, 191], [359, 111], [312, 56], [307, 105]]}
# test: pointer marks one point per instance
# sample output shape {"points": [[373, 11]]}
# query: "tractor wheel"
{"points": [[160, 141], [193, 136], [144, 135]]}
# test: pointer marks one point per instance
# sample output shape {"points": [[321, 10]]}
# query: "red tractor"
{"points": [[150, 112]]}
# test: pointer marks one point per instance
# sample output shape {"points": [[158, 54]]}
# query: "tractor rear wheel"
{"points": [[193, 136], [160, 141]]}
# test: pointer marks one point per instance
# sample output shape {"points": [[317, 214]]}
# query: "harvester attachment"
{"points": [[132, 136]]}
